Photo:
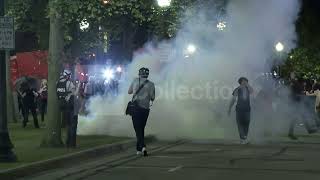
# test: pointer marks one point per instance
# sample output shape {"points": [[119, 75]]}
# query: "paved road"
{"points": [[201, 161]]}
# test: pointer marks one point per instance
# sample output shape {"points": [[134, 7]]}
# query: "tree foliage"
{"points": [[304, 62], [31, 16], [118, 19]]}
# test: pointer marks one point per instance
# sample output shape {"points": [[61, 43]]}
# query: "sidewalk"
{"points": [[27, 146]]}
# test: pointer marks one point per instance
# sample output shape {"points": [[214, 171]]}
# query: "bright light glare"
{"points": [[84, 25], [275, 73], [279, 47], [108, 74], [105, 1], [164, 3], [191, 48], [221, 25], [119, 69]]}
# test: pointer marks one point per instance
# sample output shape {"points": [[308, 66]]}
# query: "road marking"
{"points": [[168, 157], [175, 169]]}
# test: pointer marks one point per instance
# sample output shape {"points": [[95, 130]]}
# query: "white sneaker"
{"points": [[139, 153], [244, 141]]}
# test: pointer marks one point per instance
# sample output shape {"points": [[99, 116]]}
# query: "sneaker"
{"points": [[139, 153], [144, 151], [244, 141], [292, 137]]}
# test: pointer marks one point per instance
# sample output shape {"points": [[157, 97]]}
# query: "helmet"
{"points": [[66, 72], [144, 72]]}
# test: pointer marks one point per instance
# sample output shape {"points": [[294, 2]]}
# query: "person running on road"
{"points": [[242, 95], [143, 98]]}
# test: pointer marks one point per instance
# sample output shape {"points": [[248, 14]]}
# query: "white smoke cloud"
{"points": [[193, 94]]}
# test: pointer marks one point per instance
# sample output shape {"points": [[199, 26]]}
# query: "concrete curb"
{"points": [[69, 159]]}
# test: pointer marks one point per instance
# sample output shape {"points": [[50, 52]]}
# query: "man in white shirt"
{"points": [[144, 98], [316, 93]]}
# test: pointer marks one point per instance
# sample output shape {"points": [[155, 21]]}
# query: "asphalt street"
{"points": [[203, 160]]}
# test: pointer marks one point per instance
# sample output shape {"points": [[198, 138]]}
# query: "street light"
{"points": [[279, 47], [190, 50], [164, 3], [105, 1]]}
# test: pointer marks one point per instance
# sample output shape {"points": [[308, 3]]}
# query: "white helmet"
{"points": [[66, 72]]}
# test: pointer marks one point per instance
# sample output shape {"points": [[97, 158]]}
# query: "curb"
{"points": [[50, 164]]}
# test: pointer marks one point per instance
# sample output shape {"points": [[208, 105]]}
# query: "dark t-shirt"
{"points": [[29, 98], [297, 90], [243, 96]]}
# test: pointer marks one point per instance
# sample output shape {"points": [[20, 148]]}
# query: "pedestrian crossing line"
{"points": [[175, 169]]}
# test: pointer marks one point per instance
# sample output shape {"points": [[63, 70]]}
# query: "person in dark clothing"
{"points": [[28, 99], [297, 94], [72, 123], [20, 104], [43, 92], [242, 95]]}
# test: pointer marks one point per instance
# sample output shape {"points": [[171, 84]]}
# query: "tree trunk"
{"points": [[53, 135], [10, 106]]}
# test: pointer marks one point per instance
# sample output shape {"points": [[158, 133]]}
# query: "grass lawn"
{"points": [[27, 144]]}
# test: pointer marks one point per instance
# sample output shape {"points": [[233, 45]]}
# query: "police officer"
{"points": [[143, 91], [66, 95], [242, 95]]}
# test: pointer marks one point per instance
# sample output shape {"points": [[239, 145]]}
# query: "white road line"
{"points": [[175, 169], [168, 157]]}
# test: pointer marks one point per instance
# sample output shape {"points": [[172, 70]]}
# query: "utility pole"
{"points": [[6, 153]]}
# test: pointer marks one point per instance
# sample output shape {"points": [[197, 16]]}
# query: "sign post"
{"points": [[6, 33], [6, 44]]}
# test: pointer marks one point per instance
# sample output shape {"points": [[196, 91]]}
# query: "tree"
{"points": [[308, 27], [31, 16], [53, 134], [304, 62]]}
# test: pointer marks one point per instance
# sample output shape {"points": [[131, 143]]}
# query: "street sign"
{"points": [[7, 39]]}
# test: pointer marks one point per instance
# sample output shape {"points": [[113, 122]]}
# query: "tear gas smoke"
{"points": [[193, 96]]}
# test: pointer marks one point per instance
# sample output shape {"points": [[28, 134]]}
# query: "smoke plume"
{"points": [[196, 72]]}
